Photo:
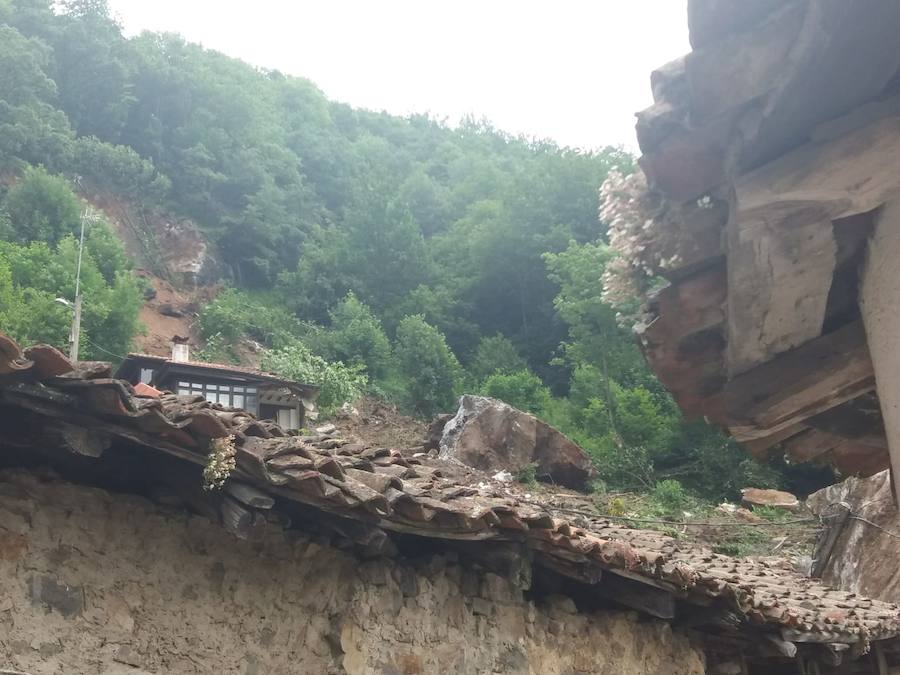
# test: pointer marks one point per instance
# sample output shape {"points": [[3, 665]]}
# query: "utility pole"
{"points": [[87, 215]]}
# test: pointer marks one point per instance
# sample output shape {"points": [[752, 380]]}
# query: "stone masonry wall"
{"points": [[95, 583]]}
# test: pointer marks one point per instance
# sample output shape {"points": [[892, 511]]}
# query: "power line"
{"points": [[102, 349], [853, 515]]}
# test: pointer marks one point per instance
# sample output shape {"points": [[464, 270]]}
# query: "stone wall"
{"points": [[92, 582]]}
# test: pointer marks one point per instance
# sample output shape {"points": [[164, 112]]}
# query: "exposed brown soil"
{"points": [[381, 424], [170, 312]]}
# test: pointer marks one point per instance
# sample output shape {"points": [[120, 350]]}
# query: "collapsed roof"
{"points": [[767, 154], [371, 496]]}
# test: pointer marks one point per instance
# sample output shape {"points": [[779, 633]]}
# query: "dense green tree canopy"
{"points": [[433, 258]]}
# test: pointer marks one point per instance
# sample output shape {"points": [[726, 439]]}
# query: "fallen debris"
{"points": [[778, 499]]}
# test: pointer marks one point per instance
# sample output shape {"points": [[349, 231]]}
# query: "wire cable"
{"points": [[853, 515], [105, 351]]}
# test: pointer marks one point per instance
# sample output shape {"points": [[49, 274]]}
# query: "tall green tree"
{"points": [[430, 370], [42, 207]]}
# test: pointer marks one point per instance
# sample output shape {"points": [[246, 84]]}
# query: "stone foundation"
{"points": [[92, 582]]}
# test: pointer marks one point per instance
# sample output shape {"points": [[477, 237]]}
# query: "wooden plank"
{"points": [[236, 518], [81, 441], [758, 446], [784, 647], [684, 344], [781, 248], [798, 384], [810, 445], [635, 595], [880, 660], [859, 420], [249, 495], [863, 456]]}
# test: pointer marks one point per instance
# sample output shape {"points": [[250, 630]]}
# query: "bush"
{"points": [[356, 337], [495, 354], [337, 382], [235, 315], [216, 350], [528, 474], [429, 367], [670, 495], [33, 276], [42, 207], [523, 390]]}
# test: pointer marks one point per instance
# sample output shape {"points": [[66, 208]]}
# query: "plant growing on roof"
{"points": [[628, 208], [220, 462]]}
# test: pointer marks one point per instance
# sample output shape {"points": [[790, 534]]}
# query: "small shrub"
{"points": [[773, 514], [216, 350], [598, 487], [528, 474], [523, 390], [235, 314], [495, 354], [670, 495], [740, 542], [616, 507]]}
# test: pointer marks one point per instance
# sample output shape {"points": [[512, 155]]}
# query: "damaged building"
{"points": [[773, 206], [317, 554], [266, 395]]}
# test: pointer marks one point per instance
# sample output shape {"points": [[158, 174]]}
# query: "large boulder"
{"points": [[491, 435], [857, 555]]}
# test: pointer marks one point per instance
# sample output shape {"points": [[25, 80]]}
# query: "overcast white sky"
{"points": [[571, 70]]}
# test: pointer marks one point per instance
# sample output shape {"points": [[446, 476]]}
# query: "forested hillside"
{"points": [[397, 256]]}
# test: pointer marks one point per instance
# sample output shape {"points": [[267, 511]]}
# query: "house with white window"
{"points": [[265, 395]]}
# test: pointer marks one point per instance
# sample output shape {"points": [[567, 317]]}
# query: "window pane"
{"points": [[183, 391], [237, 388], [250, 404], [184, 384], [212, 397], [251, 390], [237, 400]]}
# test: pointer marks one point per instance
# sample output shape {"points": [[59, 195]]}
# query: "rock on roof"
{"points": [[371, 494]]}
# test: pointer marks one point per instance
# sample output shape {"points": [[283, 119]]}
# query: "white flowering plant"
{"points": [[219, 463], [636, 237]]}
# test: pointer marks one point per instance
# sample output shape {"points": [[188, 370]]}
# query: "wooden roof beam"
{"points": [[781, 247], [799, 384]]}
